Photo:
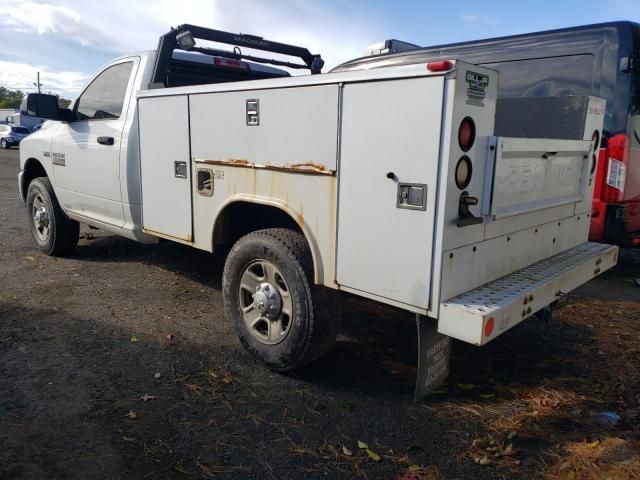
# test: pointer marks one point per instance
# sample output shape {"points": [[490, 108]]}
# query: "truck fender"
{"points": [[33, 168], [289, 210]]}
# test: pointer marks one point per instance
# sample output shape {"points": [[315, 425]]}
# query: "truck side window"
{"points": [[104, 97]]}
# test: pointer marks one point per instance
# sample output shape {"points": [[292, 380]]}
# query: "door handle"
{"points": [[105, 140], [180, 169]]}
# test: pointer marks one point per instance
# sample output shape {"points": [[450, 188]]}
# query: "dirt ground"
{"points": [[118, 363]]}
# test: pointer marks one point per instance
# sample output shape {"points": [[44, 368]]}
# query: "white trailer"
{"points": [[387, 183]]}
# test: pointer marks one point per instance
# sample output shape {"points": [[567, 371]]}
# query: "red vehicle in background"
{"points": [[601, 60]]}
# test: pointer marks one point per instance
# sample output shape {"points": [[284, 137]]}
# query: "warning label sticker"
{"points": [[477, 84]]}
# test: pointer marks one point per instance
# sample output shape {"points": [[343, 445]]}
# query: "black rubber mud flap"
{"points": [[434, 353]]}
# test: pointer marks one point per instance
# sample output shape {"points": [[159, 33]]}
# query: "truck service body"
{"points": [[386, 183]]}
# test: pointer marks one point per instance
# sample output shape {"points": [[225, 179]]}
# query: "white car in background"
{"points": [[11, 135]]}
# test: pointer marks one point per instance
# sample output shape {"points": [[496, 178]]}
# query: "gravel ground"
{"points": [[118, 363]]}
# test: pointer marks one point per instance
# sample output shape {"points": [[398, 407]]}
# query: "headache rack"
{"points": [[183, 38]]}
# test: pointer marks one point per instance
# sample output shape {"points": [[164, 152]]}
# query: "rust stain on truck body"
{"points": [[310, 168]]}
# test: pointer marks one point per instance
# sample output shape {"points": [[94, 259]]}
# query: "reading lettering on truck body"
{"points": [[383, 183]]}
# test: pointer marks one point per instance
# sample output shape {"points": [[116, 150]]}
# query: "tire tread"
{"points": [[66, 231], [325, 322]]}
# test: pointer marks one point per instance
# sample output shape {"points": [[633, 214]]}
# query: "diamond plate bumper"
{"points": [[480, 315]]}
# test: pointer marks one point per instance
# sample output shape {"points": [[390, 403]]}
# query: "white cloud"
{"points": [[21, 76], [44, 19], [338, 33], [481, 19], [122, 26]]}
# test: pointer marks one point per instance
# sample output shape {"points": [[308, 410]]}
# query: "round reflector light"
{"points": [[463, 172], [467, 134], [488, 327]]}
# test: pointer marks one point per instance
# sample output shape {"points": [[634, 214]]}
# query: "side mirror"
{"points": [[42, 105]]}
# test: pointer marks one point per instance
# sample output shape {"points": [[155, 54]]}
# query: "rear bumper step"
{"points": [[480, 315]]}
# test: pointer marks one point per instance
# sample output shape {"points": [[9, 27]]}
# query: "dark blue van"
{"points": [[601, 60]]}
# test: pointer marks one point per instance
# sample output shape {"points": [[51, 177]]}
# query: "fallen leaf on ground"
{"points": [[506, 451], [157, 375], [416, 472], [362, 445], [131, 414], [373, 455], [467, 386], [133, 339], [346, 451]]}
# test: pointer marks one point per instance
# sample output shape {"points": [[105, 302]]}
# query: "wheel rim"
{"points": [[265, 302], [40, 218]]}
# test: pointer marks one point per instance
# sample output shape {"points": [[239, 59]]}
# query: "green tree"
{"points": [[10, 98]]}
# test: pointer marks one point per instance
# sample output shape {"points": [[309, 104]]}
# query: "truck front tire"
{"points": [[54, 233], [281, 318]]}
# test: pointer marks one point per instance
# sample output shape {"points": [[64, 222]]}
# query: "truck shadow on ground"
{"points": [[197, 265]]}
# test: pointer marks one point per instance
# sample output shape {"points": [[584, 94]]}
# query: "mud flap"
{"points": [[434, 352]]}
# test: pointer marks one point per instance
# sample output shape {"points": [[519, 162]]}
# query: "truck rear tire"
{"points": [[54, 233], [281, 318]]}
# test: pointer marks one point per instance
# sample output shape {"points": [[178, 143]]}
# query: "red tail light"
{"points": [[615, 168], [467, 134], [442, 66]]}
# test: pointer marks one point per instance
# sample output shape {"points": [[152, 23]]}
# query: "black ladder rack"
{"points": [[168, 43]]}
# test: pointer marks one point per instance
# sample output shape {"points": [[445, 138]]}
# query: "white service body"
{"points": [[335, 153]]}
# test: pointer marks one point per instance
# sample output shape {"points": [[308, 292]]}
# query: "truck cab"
{"points": [[93, 155]]}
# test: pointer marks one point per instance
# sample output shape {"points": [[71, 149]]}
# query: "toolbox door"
{"points": [[165, 166], [390, 144]]}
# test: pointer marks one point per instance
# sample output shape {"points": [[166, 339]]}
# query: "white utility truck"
{"points": [[386, 183]]}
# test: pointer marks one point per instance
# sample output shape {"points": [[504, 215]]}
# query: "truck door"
{"points": [[388, 171], [165, 166], [85, 152]]}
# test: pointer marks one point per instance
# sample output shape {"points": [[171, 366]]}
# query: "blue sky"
{"points": [[67, 40]]}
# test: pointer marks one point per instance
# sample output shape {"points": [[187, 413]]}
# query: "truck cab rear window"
{"points": [[104, 97], [186, 73]]}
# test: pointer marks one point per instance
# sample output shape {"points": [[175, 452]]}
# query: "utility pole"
{"points": [[38, 84]]}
